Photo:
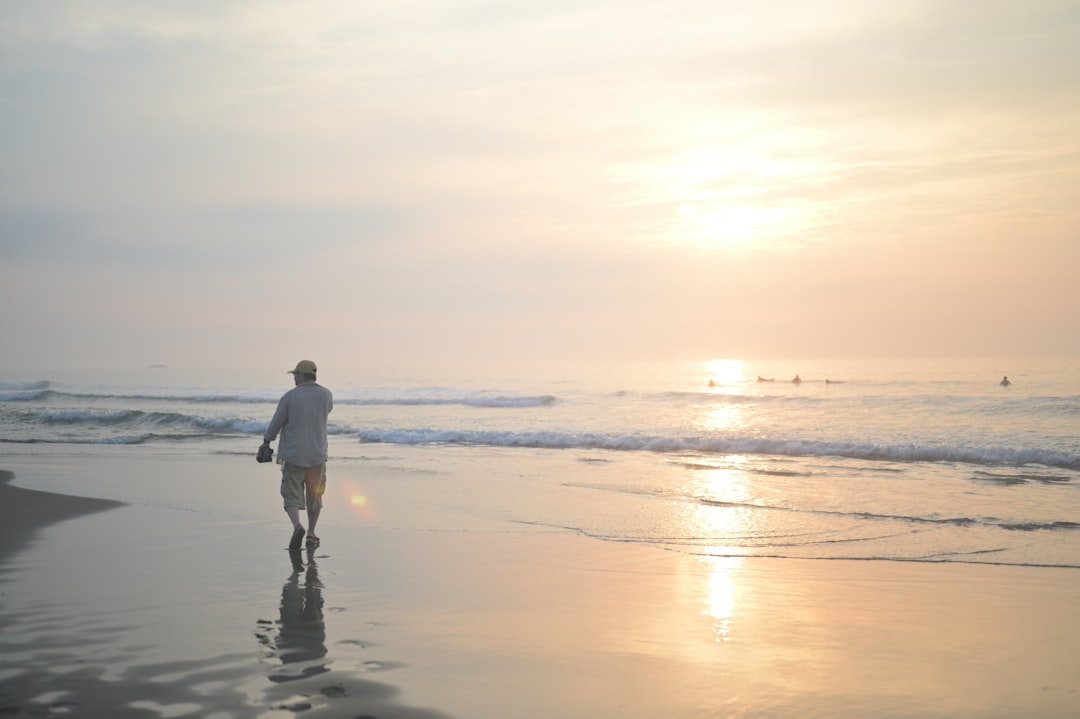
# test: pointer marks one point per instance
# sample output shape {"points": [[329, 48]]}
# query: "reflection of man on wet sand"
{"points": [[301, 632], [305, 680]]}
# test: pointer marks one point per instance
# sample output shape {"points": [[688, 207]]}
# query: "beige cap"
{"points": [[304, 367]]}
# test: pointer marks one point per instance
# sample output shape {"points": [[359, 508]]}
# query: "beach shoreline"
{"points": [[207, 616]]}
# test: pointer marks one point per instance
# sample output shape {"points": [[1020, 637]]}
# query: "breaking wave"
{"points": [[42, 392], [990, 456]]}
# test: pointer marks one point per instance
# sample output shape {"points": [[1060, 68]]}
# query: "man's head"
{"points": [[305, 371]]}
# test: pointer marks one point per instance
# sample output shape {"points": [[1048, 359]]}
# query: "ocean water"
{"points": [[922, 461]]}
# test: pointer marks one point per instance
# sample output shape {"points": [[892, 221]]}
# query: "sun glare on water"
{"points": [[725, 372], [720, 586]]}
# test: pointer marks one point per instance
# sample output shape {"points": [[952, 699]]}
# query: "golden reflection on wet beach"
{"points": [[722, 595], [716, 515], [714, 523]]}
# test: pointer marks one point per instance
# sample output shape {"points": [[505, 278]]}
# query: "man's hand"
{"points": [[265, 454]]}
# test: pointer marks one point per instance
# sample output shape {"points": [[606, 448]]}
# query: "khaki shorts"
{"points": [[294, 489]]}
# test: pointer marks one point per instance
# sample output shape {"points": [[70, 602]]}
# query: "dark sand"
{"points": [[23, 512]]}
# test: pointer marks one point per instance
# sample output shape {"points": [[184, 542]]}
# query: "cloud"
{"points": [[483, 178], [209, 239]]}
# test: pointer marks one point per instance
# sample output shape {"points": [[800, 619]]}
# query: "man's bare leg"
{"points": [[313, 477]]}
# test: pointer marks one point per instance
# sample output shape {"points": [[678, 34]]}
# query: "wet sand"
{"points": [[24, 512], [162, 609]]}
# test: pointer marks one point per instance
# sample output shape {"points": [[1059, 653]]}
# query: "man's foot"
{"points": [[297, 537], [312, 541]]}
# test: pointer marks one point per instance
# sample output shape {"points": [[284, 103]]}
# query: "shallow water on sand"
{"points": [[919, 461]]}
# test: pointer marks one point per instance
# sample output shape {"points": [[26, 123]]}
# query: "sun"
{"points": [[728, 224], [728, 198], [736, 223], [725, 198]]}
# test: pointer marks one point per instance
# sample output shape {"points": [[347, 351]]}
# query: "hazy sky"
{"points": [[222, 182]]}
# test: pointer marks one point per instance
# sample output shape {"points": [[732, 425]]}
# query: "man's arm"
{"points": [[281, 416]]}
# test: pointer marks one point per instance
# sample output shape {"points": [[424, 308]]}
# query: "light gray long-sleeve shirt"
{"points": [[301, 419]]}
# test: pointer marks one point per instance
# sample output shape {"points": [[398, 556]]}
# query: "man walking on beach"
{"points": [[301, 419]]}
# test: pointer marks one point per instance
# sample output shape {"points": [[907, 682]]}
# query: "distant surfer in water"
{"points": [[797, 380], [1005, 381]]}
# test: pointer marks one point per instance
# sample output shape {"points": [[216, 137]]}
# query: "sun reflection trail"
{"points": [[718, 523], [721, 595], [722, 417], [721, 526]]}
